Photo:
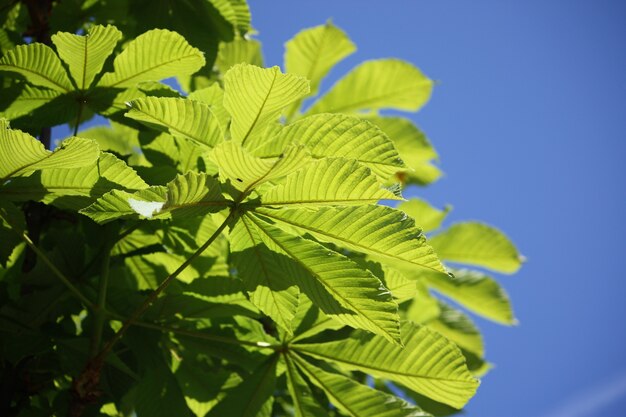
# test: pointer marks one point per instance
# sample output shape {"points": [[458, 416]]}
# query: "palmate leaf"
{"points": [[152, 56], [247, 172], [414, 148], [186, 195], [253, 396], [475, 291], [180, 117], [426, 216], [329, 181], [313, 52], [374, 85], [428, 363], [357, 400], [304, 404], [21, 154], [267, 275], [39, 65], [477, 244], [338, 286], [336, 135], [74, 188], [85, 55], [255, 97], [384, 233]]}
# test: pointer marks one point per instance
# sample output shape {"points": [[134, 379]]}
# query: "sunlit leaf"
{"points": [[384, 233], [337, 135], [39, 65], [21, 154], [428, 363], [314, 51], [180, 117], [85, 55], [374, 85], [338, 286], [477, 244], [255, 97], [426, 216], [153, 56], [330, 181], [356, 399]]}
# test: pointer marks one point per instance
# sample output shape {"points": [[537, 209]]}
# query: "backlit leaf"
{"points": [[338, 286], [374, 85], [427, 363], [180, 117], [330, 181], [384, 233], [337, 135], [39, 65], [21, 153], [256, 96], [478, 244], [85, 55], [153, 56]]}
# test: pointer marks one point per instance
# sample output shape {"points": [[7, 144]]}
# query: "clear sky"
{"points": [[529, 117]]}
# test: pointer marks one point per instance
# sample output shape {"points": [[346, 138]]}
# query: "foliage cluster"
{"points": [[222, 252]]}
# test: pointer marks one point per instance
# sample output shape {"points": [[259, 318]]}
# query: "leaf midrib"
{"points": [[137, 74], [381, 370], [342, 239], [358, 105], [322, 281], [256, 118]]}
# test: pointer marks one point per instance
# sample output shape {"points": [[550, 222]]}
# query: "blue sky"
{"points": [[528, 116]]}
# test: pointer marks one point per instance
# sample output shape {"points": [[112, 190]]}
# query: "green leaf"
{"points": [[426, 216], [386, 234], [251, 397], [374, 85], [329, 181], [314, 51], [214, 97], [236, 12], [74, 188], [355, 399], [239, 51], [478, 244], [424, 308], [338, 286], [85, 55], [118, 204], [414, 148], [267, 275], [337, 135], [21, 154], [39, 65], [247, 172], [28, 99], [304, 403], [12, 223], [428, 363], [185, 196], [458, 328], [475, 291], [255, 97], [153, 56], [180, 117]]}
